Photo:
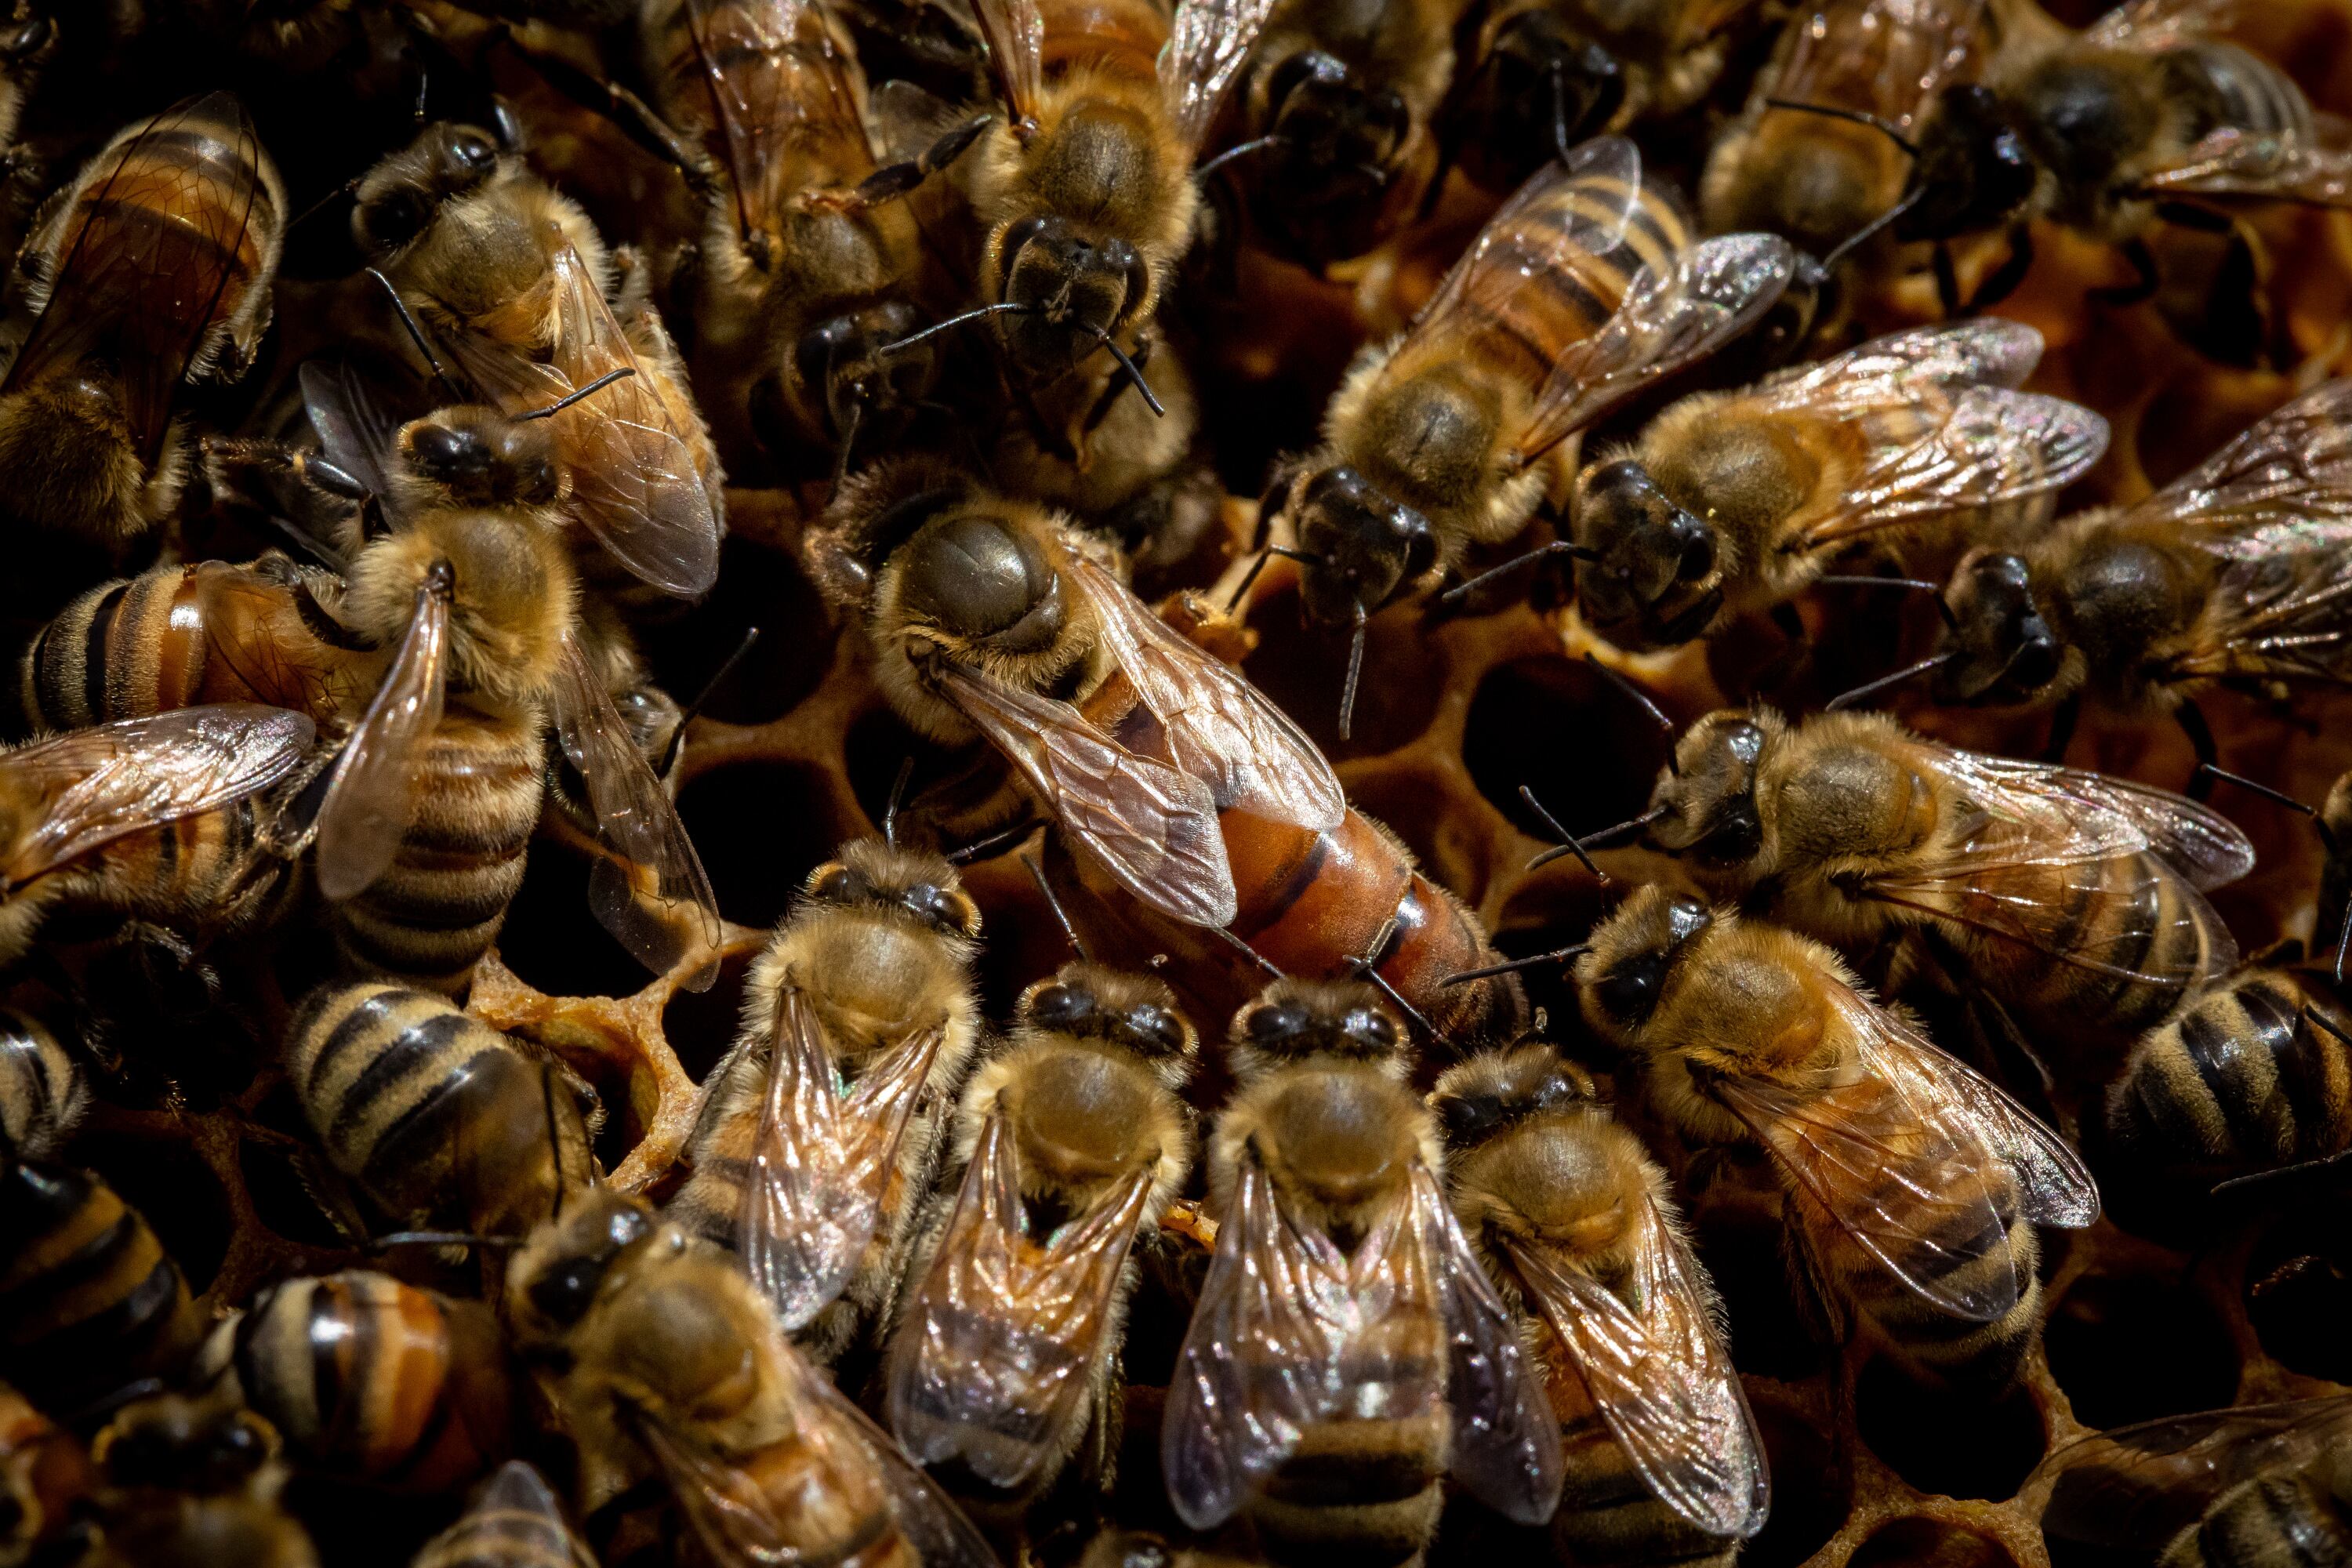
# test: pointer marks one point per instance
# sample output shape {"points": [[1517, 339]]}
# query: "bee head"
{"points": [[1654, 563], [1509, 120], [1132, 1012], [1975, 171], [472, 455], [1292, 1020], [910, 883], [1332, 138], [398, 199], [1705, 805], [1359, 543], [850, 384], [2002, 649], [1477, 1099], [209, 1445], [555, 1276], [1072, 291], [1633, 953]]}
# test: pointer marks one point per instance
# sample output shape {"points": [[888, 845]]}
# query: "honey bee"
{"points": [[43, 1091], [152, 270], [2240, 571], [1348, 1350], [674, 1366], [1073, 1141], [1586, 287], [1729, 504], [512, 1521], [435, 1115], [368, 1378], [190, 1482], [2072, 900], [819, 1133], [160, 818], [2249, 1487], [42, 1472], [511, 276], [88, 1298], [1871, 71], [1194, 804], [1913, 1183], [1577, 1230]]}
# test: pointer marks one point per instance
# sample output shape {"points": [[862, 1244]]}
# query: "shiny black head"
{"points": [[399, 198], [170, 1443], [871, 875], [1707, 811], [1298, 1019], [2003, 649], [1652, 578], [1072, 293], [980, 578], [562, 1280], [1360, 544], [1974, 171], [852, 390], [1133, 1012], [1538, 90], [1488, 1095], [1626, 972], [476, 455], [1319, 188]]}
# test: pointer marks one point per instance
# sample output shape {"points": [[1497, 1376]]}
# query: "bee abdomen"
{"points": [[373, 1379], [1356, 1491], [42, 1092], [1961, 1352], [1610, 1514], [88, 1298], [2242, 1077], [515, 1523], [87, 667]]}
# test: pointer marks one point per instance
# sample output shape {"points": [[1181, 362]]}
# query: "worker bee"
{"points": [[156, 817], [1871, 71], [436, 1116], [152, 270], [2238, 571], [1073, 1141], [1348, 1350], [43, 1091], [1586, 287], [1913, 1183], [1577, 1230], [1193, 803], [2242, 1487], [513, 1521], [88, 1298], [512, 277], [187, 1481], [1729, 502], [819, 1133], [673, 1366], [2072, 900], [42, 1471]]}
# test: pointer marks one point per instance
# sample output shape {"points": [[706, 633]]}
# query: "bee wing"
{"points": [[1505, 1436], [372, 792], [516, 1506], [1221, 729], [991, 1364], [1015, 32], [1151, 828], [650, 891], [1660, 1377], [634, 485], [127, 285], [798, 90], [737, 1523], [1206, 45], [1713, 292], [1913, 46], [1891, 1161], [2043, 813], [2315, 168], [354, 433], [2294, 464], [1262, 1358], [95, 785], [1893, 372], [2152, 27], [2136, 1488], [933, 1526], [1994, 446]]}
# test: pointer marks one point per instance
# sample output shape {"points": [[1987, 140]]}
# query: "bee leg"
{"points": [[1947, 280], [2003, 281], [2191, 720], [632, 115], [2233, 322], [895, 180], [2144, 281], [2062, 729]]}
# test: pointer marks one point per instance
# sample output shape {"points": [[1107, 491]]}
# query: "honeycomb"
{"points": [[797, 751]]}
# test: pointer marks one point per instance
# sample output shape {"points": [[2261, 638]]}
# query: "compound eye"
{"points": [[1061, 1007], [1698, 558], [562, 1294], [1139, 275], [1630, 993], [1276, 1022], [396, 219], [1467, 1120], [474, 152], [834, 883], [1153, 1031], [1366, 1027], [1308, 65], [943, 907], [1017, 237]]}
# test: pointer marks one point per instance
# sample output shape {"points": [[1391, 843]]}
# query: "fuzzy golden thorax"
{"points": [[1295, 1020], [1337, 1141], [69, 449], [1084, 1117], [511, 596], [1432, 431]]}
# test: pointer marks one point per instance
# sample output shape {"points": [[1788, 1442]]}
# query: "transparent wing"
{"points": [[355, 432], [991, 1364], [1886, 58], [91, 787], [1506, 1437], [1015, 32], [736, 1521], [2152, 27], [2136, 1488], [777, 77], [1660, 1377], [2046, 815], [372, 794], [635, 484], [1206, 46], [2315, 168], [1221, 729], [1892, 371], [1261, 1360], [1995, 446], [1890, 1159], [650, 891], [1151, 828], [1716, 291]]}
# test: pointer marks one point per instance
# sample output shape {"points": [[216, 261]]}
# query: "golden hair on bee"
{"points": [[43, 1089], [512, 591], [190, 1481]]}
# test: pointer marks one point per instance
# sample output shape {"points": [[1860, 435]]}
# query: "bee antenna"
{"points": [[2343, 940], [1568, 839], [717, 677], [890, 809], [1846, 246], [978, 849], [2314, 1014], [555, 1135], [1626, 829], [417, 336], [1355, 671], [1252, 954], [1883, 127], [1908, 584], [1008, 308], [1037, 875], [1535, 961], [1127, 366], [1845, 700], [315, 208], [440, 1238], [569, 398], [2282, 1173], [2263, 789], [1464, 589], [1365, 967], [1641, 700], [1241, 150], [848, 439]]}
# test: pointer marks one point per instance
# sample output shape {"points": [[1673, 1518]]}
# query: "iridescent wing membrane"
{"points": [[778, 78]]}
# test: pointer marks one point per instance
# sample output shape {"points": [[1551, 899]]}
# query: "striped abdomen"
{"points": [[433, 1113], [42, 1092], [371, 1379], [431, 917], [2241, 1081], [1115, 38], [1608, 1513], [204, 874], [88, 1298], [515, 1521]]}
